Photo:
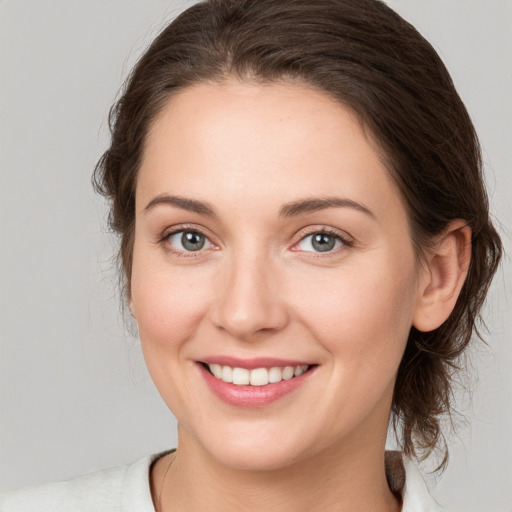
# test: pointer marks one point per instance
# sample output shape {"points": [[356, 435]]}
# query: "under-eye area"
{"points": [[256, 376]]}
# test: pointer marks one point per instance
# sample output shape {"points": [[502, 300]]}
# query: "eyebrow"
{"points": [[313, 204], [291, 209], [191, 205]]}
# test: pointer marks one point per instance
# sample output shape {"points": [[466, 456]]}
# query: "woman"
{"points": [[306, 245]]}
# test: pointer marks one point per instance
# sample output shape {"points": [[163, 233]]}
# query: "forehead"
{"points": [[250, 141]]}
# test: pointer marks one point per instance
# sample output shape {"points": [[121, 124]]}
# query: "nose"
{"points": [[252, 302]]}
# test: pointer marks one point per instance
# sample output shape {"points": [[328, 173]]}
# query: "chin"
{"points": [[243, 457], [263, 451]]}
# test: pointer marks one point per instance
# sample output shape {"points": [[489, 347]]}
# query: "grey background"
{"points": [[74, 392]]}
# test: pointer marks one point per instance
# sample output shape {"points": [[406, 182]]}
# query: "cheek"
{"points": [[167, 304], [362, 315], [169, 308]]}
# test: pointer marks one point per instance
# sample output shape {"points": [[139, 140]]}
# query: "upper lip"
{"points": [[254, 362]]}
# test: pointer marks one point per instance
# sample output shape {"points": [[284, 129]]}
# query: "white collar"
{"points": [[403, 477]]}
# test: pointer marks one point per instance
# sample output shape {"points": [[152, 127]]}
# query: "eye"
{"points": [[188, 240], [320, 242]]}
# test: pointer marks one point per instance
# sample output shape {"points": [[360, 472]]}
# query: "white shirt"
{"points": [[126, 489]]}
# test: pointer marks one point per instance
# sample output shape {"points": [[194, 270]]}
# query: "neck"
{"points": [[351, 479]]}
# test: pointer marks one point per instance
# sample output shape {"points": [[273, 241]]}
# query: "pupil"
{"points": [[192, 241], [322, 242]]}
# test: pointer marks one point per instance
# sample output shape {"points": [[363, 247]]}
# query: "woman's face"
{"points": [[270, 235]]}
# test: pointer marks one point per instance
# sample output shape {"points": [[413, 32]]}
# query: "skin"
{"points": [[258, 288]]}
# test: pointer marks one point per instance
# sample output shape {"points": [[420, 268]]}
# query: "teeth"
{"points": [[257, 376], [299, 370], [288, 373], [241, 376], [227, 374], [216, 369], [275, 375]]}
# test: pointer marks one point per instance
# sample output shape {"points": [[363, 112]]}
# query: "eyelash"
{"points": [[346, 242], [324, 230], [164, 241]]}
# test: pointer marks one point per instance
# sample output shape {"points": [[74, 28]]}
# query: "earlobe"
{"points": [[443, 276]]}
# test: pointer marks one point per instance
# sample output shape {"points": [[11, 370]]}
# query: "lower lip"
{"points": [[252, 396]]}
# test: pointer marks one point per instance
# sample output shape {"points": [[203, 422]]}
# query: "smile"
{"points": [[256, 376], [253, 383]]}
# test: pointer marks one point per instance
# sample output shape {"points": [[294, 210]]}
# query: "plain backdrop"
{"points": [[74, 392]]}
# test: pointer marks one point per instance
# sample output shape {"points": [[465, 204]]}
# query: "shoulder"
{"points": [[119, 489], [99, 491]]}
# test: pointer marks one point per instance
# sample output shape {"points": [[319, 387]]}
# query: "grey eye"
{"points": [[188, 240], [319, 242]]}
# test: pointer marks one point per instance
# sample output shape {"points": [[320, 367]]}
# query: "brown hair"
{"points": [[371, 60]]}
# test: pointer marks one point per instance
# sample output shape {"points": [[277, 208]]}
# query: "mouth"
{"points": [[259, 385], [255, 376]]}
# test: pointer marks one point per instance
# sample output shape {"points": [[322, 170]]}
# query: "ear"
{"points": [[443, 276]]}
